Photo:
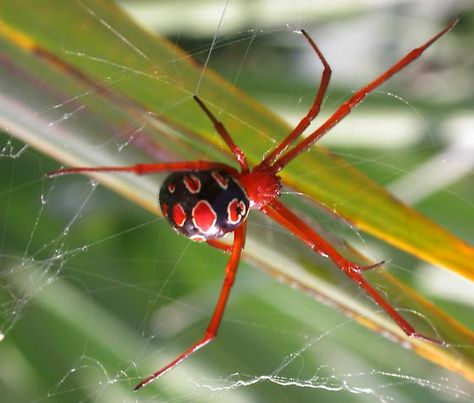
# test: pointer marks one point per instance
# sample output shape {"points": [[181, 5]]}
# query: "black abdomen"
{"points": [[203, 205]]}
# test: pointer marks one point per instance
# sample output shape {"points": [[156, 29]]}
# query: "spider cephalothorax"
{"points": [[204, 200], [261, 187]]}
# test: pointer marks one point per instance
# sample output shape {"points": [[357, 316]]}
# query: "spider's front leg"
{"points": [[281, 214], [214, 324], [355, 100], [222, 131], [310, 115]]}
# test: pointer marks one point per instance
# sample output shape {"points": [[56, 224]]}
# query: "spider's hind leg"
{"points": [[368, 267], [281, 214], [215, 322], [409, 330]]}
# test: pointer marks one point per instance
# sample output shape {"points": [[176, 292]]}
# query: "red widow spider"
{"points": [[204, 200]]}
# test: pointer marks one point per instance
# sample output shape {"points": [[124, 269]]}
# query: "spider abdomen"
{"points": [[203, 205]]}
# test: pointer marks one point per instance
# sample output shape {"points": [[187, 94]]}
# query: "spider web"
{"points": [[96, 292]]}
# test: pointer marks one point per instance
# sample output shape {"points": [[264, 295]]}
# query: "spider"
{"points": [[204, 200]]}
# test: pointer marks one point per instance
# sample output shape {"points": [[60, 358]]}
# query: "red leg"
{"points": [[298, 227], [213, 327], [141, 169], [312, 113], [227, 248], [238, 153], [356, 99]]}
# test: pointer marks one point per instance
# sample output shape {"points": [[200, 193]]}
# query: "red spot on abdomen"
{"points": [[192, 183], [198, 238], [179, 215], [236, 210], [221, 181], [204, 216]]}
